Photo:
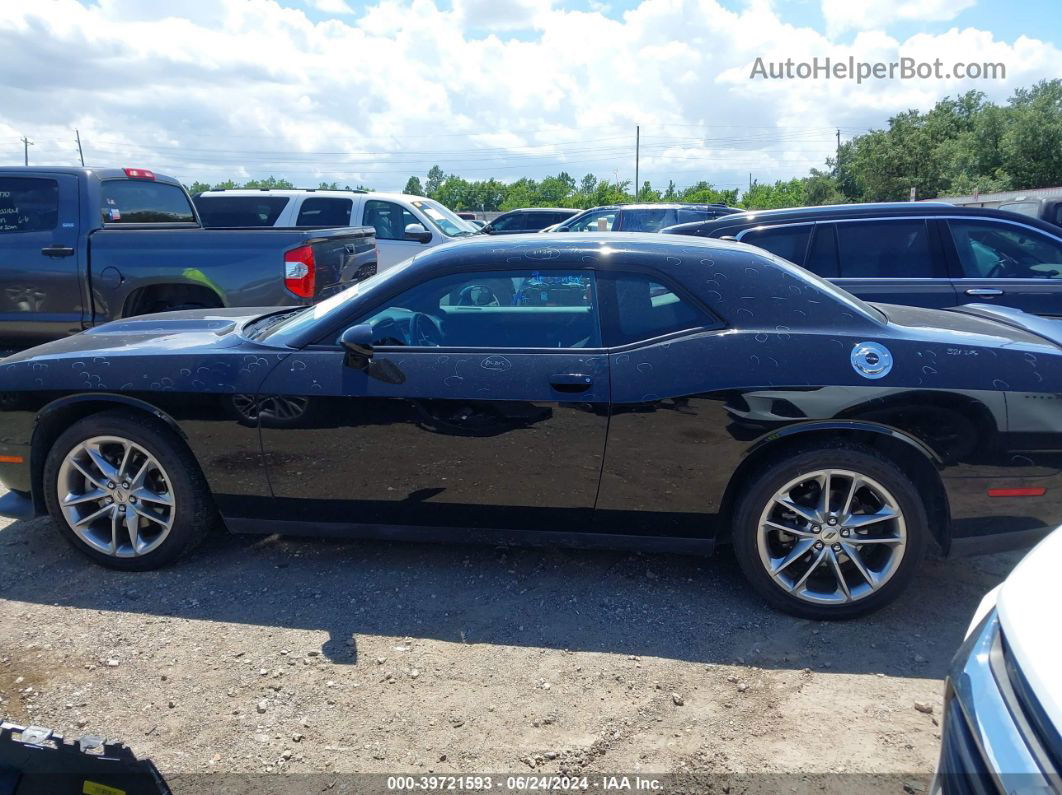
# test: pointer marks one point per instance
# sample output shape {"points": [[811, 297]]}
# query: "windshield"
{"points": [[444, 219], [311, 314]]}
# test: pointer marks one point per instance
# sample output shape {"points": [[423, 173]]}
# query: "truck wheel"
{"points": [[831, 532], [126, 492]]}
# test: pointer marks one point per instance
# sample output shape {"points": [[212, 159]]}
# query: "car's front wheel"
{"points": [[832, 532], [126, 492]]}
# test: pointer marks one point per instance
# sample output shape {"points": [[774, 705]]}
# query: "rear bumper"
{"points": [[996, 542], [17, 505]]}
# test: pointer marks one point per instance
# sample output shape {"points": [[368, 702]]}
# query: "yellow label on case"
{"points": [[94, 788]]}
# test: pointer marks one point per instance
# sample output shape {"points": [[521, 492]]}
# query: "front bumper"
{"points": [[992, 741]]}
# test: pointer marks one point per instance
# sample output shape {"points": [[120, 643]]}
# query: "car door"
{"points": [[1004, 262], [390, 220], [484, 406], [893, 261], [42, 290]]}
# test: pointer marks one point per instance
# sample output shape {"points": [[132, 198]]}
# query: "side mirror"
{"points": [[357, 342], [417, 233]]}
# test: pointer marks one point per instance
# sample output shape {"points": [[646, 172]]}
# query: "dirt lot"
{"points": [[280, 655]]}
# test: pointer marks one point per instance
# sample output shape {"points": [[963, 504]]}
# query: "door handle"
{"points": [[571, 382], [57, 251], [984, 291]]}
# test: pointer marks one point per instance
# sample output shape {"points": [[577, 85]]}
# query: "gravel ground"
{"points": [[292, 655]]}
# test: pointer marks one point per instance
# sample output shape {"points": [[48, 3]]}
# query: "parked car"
{"points": [[640, 217], [478, 224], [1049, 210], [405, 225], [467, 394], [528, 219], [922, 254], [82, 246], [466, 216], [1002, 728]]}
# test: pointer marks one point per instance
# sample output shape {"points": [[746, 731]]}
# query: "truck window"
{"points": [[320, 211], [240, 210], [138, 201], [28, 204]]}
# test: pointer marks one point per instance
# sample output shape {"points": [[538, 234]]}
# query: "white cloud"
{"points": [[331, 6], [241, 88], [841, 15]]}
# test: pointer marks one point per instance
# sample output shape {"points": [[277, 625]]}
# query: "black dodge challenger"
{"points": [[597, 389]]}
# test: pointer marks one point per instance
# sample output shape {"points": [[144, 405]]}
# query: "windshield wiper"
{"points": [[263, 325]]}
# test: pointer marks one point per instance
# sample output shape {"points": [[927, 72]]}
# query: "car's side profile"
{"points": [[922, 254], [601, 390], [528, 219], [641, 217]]}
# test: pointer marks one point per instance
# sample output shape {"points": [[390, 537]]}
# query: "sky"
{"points": [[374, 92]]}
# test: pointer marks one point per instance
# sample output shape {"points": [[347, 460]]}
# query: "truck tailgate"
{"points": [[341, 257]]}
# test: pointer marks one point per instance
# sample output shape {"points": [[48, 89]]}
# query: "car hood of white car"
{"points": [[1028, 607]]}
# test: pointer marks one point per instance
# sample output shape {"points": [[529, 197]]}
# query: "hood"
{"points": [[188, 330], [1028, 606]]}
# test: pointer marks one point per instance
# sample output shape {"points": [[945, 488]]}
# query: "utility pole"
{"points": [[26, 144], [838, 144], [637, 155], [80, 153]]}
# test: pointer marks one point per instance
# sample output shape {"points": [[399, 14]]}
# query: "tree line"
{"points": [[960, 146]]}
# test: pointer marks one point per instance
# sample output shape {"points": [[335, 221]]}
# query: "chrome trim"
{"points": [[984, 291], [1002, 745]]}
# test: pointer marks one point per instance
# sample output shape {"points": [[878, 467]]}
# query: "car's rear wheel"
{"points": [[831, 532], [126, 492]]}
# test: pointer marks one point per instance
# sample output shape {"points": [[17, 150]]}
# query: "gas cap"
{"points": [[871, 360], [110, 277]]}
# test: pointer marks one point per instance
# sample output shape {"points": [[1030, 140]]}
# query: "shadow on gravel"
{"points": [[682, 608]]}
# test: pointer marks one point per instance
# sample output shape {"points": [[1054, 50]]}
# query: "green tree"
{"points": [[197, 187], [435, 180], [413, 187]]}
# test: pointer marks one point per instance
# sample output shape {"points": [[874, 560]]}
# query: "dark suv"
{"points": [[528, 219], [641, 217], [923, 254]]}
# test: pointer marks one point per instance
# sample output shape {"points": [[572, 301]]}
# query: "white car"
{"points": [[405, 225], [1003, 700]]}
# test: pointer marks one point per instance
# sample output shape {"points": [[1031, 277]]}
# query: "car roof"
{"points": [[292, 192], [542, 210], [89, 173], [659, 206], [834, 212]]}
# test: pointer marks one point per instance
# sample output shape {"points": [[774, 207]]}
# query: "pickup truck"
{"points": [[83, 246], [405, 225]]}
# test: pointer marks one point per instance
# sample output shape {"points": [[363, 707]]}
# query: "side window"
{"points": [[822, 258], [1003, 251], [239, 210], [496, 309], [647, 220], [646, 309], [139, 201], [388, 219], [787, 242], [28, 204], [602, 220], [321, 211], [508, 223], [886, 249], [687, 215]]}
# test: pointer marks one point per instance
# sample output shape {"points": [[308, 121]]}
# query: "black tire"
{"points": [[194, 513], [766, 482]]}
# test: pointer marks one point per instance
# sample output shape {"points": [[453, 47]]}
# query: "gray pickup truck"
{"points": [[82, 246]]}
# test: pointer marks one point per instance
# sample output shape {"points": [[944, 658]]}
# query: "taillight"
{"points": [[299, 271], [139, 173]]}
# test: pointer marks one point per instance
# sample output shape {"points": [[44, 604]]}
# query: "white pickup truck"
{"points": [[404, 224]]}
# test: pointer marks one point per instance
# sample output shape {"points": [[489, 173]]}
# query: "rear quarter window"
{"points": [[138, 201], [240, 210]]}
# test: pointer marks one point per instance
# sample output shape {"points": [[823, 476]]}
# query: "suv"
{"points": [[641, 217], [1049, 210], [405, 225], [529, 219], [922, 254]]}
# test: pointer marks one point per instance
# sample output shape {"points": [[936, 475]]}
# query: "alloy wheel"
{"points": [[831, 536], [116, 496]]}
